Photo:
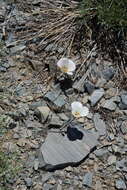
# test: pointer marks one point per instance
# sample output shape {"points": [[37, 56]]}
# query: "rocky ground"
{"points": [[33, 104]]}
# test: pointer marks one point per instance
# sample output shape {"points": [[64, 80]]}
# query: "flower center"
{"points": [[77, 114], [64, 69]]}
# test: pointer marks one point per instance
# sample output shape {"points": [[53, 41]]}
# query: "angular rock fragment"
{"points": [[60, 101], [87, 181], [108, 73], [55, 121], [99, 124], [123, 104], [111, 160], [42, 113], [101, 152], [123, 127], [52, 95], [79, 85], [96, 96], [124, 99], [63, 116], [58, 151], [120, 184], [110, 105], [28, 182], [122, 165], [89, 87], [55, 100]]}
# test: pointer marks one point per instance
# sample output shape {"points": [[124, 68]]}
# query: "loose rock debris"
{"points": [[98, 148]]}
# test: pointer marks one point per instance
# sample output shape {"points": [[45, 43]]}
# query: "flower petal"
{"points": [[71, 65], [62, 62], [69, 73], [78, 110], [68, 64], [84, 111], [76, 105]]}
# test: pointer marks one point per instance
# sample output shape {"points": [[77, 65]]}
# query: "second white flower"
{"points": [[78, 110]]}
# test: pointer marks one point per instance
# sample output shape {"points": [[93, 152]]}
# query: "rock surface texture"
{"points": [[59, 151]]}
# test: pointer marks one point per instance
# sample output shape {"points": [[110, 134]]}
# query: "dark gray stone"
{"points": [[122, 106], [89, 87], [12, 124], [101, 152], [96, 96], [52, 95], [3, 69], [108, 73], [99, 124], [46, 177], [116, 99], [59, 151], [6, 65], [15, 115], [28, 182], [60, 101], [79, 84], [101, 82], [110, 105], [20, 90], [63, 116], [123, 127], [70, 91], [34, 105], [55, 100], [122, 165], [55, 121], [87, 181], [23, 112], [124, 99], [120, 184]]}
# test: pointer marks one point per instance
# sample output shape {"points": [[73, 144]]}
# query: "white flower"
{"points": [[66, 66], [78, 110]]}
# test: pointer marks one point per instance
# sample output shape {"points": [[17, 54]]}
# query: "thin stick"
{"points": [[89, 55]]}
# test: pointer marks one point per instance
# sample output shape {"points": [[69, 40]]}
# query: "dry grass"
{"points": [[60, 23], [53, 22]]}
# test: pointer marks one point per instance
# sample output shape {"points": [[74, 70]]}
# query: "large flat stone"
{"points": [[59, 151]]}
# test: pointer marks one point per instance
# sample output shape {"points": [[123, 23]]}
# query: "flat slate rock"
{"points": [[59, 151]]}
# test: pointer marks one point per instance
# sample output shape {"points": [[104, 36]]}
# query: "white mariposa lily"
{"points": [[66, 66], [78, 110]]}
